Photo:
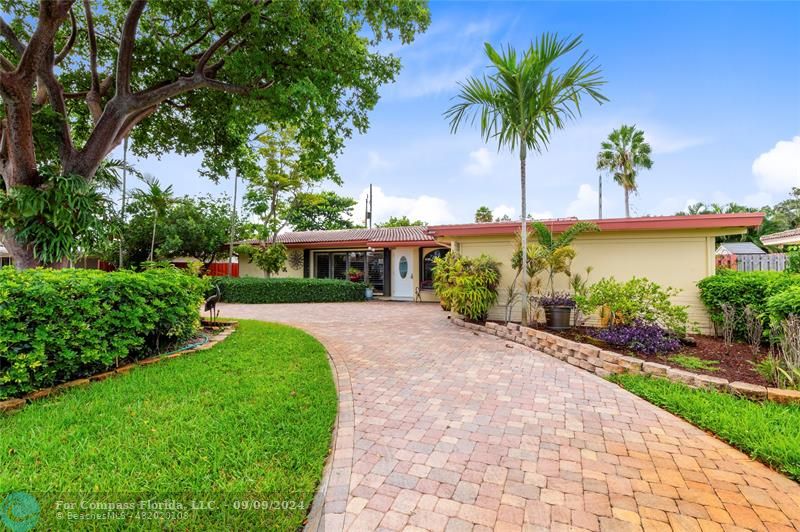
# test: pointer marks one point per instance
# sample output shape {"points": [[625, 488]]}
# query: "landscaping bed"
{"points": [[734, 362], [245, 424]]}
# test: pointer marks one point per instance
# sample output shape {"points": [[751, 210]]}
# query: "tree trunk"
{"points": [[22, 254], [627, 204], [524, 229], [153, 240]]}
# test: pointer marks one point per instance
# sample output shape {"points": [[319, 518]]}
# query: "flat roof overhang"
{"points": [[733, 223]]}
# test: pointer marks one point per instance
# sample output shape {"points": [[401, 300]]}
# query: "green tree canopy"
{"points": [[184, 76], [317, 211], [400, 221], [483, 214]]}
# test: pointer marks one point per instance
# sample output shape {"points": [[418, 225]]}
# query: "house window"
{"points": [[6, 261], [337, 265], [427, 267]]}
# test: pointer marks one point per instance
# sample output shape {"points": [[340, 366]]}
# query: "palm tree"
{"points": [[623, 154], [159, 199], [524, 99]]}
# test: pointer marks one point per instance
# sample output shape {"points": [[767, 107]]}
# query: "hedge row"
{"points": [[288, 290], [755, 289], [58, 325]]}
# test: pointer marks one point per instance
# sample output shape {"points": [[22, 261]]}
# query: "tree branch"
{"points": [[70, 41], [127, 42], [11, 37]]}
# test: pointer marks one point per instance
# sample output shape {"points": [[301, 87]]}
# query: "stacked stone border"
{"points": [[607, 363], [15, 404]]}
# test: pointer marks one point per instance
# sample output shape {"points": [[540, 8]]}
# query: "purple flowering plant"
{"points": [[640, 336], [558, 299]]}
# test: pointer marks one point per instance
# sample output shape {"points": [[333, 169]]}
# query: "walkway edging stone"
{"points": [[607, 363]]}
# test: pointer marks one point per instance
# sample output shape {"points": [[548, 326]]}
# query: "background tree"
{"points": [[270, 258], [320, 211], [483, 214], [623, 154], [400, 221], [524, 99], [182, 76], [157, 199]]}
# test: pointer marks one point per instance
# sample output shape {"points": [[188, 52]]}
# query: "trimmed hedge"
{"points": [[783, 304], [741, 289], [288, 290], [58, 325]]}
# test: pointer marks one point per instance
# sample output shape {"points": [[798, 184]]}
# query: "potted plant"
{"points": [[558, 310], [355, 275], [369, 290]]}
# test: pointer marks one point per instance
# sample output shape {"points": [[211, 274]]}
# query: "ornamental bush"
{"points": [[638, 299], [471, 285], [742, 289], [784, 304], [58, 325], [288, 290], [642, 337]]}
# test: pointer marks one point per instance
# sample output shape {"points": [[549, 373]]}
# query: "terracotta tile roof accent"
{"points": [[789, 236]]}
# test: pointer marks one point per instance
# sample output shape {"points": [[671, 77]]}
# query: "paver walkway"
{"points": [[441, 428]]}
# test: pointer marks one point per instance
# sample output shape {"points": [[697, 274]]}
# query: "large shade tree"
{"points": [[184, 76], [525, 98], [623, 154]]}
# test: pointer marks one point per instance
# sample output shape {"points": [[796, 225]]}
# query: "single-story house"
{"points": [[739, 248], [676, 251], [783, 238]]}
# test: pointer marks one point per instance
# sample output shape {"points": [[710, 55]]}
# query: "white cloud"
{"points": [[778, 170], [481, 162], [663, 142], [429, 209], [585, 203], [375, 162], [504, 210], [430, 82]]}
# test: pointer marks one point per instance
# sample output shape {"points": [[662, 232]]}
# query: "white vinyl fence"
{"points": [[773, 262]]}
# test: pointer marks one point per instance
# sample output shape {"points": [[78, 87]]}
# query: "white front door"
{"points": [[402, 273]]}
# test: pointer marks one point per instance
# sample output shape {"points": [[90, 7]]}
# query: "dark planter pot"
{"points": [[558, 318]]}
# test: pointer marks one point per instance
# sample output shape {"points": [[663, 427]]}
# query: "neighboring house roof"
{"points": [[791, 236], [3, 252], [375, 237], [723, 223], [739, 248]]}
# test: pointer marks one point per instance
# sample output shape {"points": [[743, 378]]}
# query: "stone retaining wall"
{"points": [[9, 405], [606, 363]]}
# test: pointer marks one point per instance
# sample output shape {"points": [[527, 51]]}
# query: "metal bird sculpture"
{"points": [[211, 304]]}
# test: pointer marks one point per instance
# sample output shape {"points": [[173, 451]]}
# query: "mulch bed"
{"points": [[735, 362]]}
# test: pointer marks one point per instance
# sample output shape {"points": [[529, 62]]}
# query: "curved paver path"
{"points": [[447, 429]]}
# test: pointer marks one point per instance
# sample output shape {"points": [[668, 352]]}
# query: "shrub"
{"points": [[640, 336], [794, 261], [57, 325], [784, 304], [288, 290], [471, 285], [444, 269], [742, 289], [638, 299]]}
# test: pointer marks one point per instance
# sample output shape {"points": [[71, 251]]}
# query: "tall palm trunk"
{"points": [[627, 202], [153, 240], [524, 229]]}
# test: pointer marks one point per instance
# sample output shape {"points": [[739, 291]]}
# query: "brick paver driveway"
{"points": [[445, 429]]}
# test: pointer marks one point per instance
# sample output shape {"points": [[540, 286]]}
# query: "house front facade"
{"points": [[396, 261], [675, 251]]}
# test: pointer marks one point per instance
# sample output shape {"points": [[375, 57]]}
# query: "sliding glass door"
{"points": [[368, 265]]}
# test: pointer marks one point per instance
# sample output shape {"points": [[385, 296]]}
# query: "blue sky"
{"points": [[715, 86]]}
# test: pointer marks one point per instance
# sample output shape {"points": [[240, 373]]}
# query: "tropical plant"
{"points": [[638, 300], [474, 289], [623, 154], [159, 199], [483, 214], [524, 100], [444, 270], [640, 336], [550, 253], [782, 365]]}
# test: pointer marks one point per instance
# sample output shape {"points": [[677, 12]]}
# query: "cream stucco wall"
{"points": [[249, 269], [671, 258]]}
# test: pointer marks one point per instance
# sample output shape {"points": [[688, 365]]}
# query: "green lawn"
{"points": [[768, 431], [249, 420]]}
